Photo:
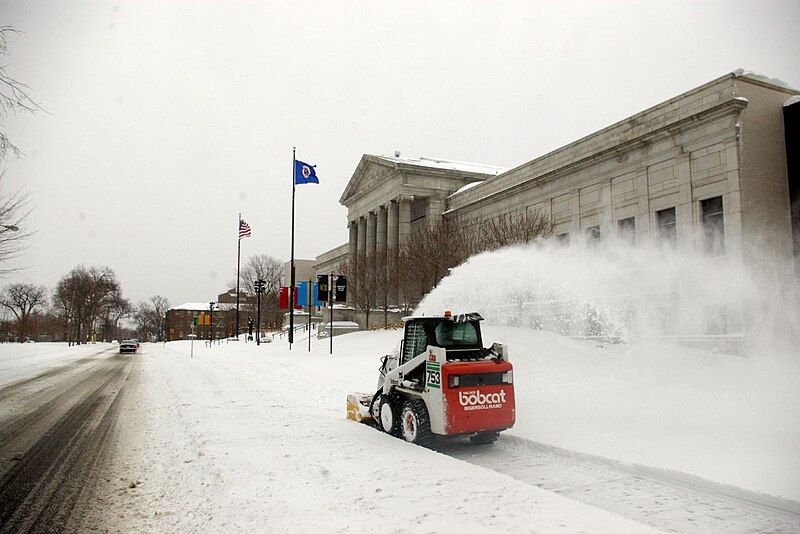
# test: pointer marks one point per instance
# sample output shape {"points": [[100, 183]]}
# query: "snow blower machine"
{"points": [[441, 381]]}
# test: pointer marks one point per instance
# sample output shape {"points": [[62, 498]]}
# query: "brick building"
{"points": [[180, 318]]}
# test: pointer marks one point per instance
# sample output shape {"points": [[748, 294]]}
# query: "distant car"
{"points": [[128, 345], [30, 341]]}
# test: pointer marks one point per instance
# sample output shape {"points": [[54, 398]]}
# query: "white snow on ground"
{"points": [[729, 419], [247, 438], [20, 361]]}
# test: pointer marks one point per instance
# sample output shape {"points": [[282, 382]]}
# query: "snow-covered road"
{"points": [[254, 438]]}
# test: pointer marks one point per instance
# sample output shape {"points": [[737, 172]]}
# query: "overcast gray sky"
{"points": [[166, 119]]}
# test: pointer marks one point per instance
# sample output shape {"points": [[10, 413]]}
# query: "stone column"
{"points": [[361, 242], [392, 236], [404, 226], [380, 232], [371, 227], [436, 207], [353, 242]]}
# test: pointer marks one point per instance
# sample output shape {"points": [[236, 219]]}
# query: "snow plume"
{"points": [[615, 292]]}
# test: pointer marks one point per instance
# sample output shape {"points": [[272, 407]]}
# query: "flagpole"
{"points": [[238, 263], [291, 266]]}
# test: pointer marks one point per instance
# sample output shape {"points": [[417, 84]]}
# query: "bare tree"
{"points": [[270, 269], [150, 316], [13, 211], [365, 278], [15, 96], [430, 253], [23, 300], [514, 229], [118, 308], [83, 296]]}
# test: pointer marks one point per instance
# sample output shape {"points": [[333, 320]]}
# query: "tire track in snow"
{"points": [[669, 501], [58, 441]]}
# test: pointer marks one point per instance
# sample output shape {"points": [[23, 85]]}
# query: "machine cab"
{"points": [[459, 335]]}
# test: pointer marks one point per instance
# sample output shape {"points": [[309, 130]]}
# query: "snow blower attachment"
{"points": [[441, 382]]}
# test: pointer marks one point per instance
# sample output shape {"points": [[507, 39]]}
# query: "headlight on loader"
{"points": [[508, 377]]}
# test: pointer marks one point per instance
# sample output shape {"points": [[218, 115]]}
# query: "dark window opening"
{"points": [[593, 235], [712, 218], [626, 230], [667, 228]]}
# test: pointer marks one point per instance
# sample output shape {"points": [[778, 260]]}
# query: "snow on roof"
{"points": [[467, 186], [438, 163], [794, 100], [202, 306], [742, 73]]}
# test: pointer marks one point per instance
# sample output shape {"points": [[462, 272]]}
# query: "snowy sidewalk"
{"points": [[242, 438]]}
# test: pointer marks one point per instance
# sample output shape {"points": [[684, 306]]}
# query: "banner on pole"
{"points": [[284, 298], [340, 289], [302, 294], [321, 293]]}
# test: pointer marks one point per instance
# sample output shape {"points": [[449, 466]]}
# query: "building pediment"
{"points": [[369, 171], [374, 170]]}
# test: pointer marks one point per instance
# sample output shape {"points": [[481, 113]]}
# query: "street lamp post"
{"points": [[259, 288], [211, 320]]}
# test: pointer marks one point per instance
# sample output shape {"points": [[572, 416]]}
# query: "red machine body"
{"points": [[480, 401]]}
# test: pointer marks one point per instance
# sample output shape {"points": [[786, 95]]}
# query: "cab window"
{"points": [[451, 334], [416, 341]]}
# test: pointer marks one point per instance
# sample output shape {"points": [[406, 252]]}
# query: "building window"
{"points": [[593, 235], [711, 216], [667, 231], [626, 230]]}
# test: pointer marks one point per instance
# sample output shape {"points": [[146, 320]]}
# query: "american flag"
{"points": [[244, 229]]}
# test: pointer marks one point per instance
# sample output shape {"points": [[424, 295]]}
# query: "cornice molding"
{"points": [[620, 150]]}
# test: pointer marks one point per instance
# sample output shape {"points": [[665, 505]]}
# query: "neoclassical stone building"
{"points": [[388, 198], [718, 160]]}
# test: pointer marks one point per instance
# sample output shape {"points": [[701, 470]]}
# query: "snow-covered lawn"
{"points": [[730, 419], [246, 438]]}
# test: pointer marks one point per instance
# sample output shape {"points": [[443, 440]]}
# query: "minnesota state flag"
{"points": [[304, 173]]}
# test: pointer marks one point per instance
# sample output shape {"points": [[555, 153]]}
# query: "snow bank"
{"points": [[732, 420]]}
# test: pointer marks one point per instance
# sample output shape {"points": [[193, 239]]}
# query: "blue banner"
{"points": [[302, 293], [304, 173]]}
